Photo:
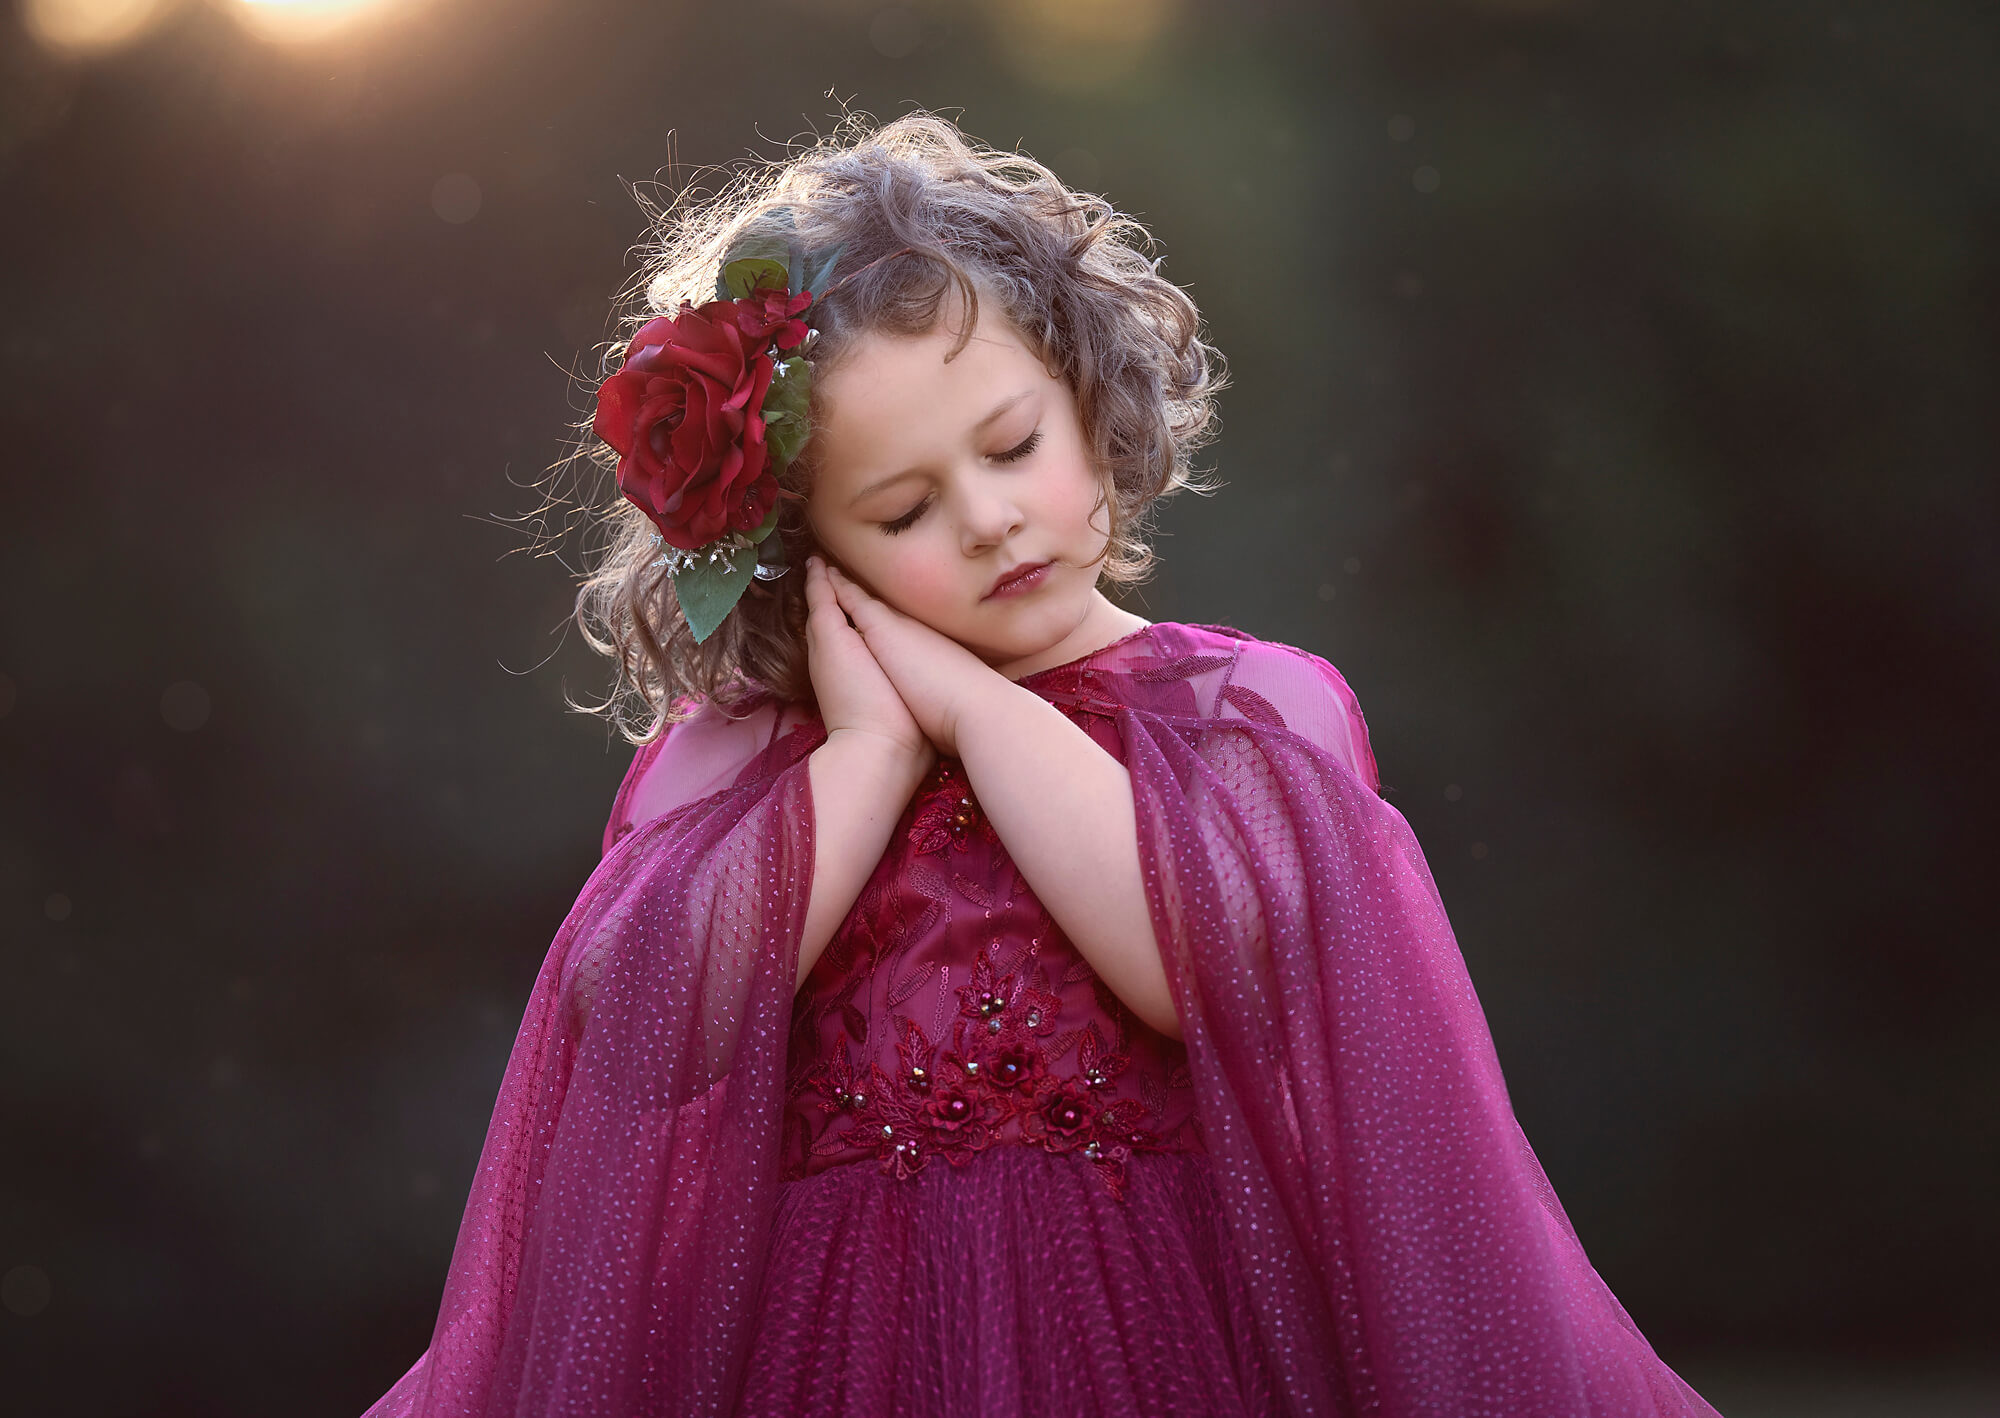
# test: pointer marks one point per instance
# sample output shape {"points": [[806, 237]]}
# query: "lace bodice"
{"points": [[950, 1014]]}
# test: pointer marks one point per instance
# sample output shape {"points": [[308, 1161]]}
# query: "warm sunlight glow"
{"points": [[303, 19], [87, 24], [1081, 45]]}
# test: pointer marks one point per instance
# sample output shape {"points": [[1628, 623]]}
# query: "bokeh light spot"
{"points": [[185, 706], [25, 1291], [1426, 179], [301, 20], [1452, 792], [9, 693], [1479, 851], [1081, 45], [456, 198], [88, 24], [1327, 590], [57, 906], [1402, 128]]}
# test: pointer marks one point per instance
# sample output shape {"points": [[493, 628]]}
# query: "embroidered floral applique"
{"points": [[990, 1080], [947, 814]]}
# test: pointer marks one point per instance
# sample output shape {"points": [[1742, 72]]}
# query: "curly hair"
{"points": [[1068, 272]]}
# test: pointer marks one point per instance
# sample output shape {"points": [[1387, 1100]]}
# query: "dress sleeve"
{"points": [[615, 1229], [692, 759], [1404, 1250]]}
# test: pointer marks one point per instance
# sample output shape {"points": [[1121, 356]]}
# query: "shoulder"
{"points": [[1269, 681], [706, 751]]}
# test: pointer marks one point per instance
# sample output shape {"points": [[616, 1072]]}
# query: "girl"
{"points": [[989, 1002]]}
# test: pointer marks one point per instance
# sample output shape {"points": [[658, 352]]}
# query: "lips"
{"points": [[1016, 574]]}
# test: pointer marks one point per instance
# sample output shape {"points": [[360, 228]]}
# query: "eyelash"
{"points": [[1012, 455]]}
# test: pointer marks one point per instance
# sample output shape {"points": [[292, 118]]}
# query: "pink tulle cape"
{"points": [[1402, 1246]]}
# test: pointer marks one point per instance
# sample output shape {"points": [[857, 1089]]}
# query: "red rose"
{"points": [[685, 412]]}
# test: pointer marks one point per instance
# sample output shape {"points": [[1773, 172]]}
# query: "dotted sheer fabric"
{"points": [[955, 1175]]}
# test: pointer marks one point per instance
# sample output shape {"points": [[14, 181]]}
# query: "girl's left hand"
{"points": [[936, 675]]}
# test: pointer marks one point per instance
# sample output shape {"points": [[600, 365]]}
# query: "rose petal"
{"points": [[616, 405]]}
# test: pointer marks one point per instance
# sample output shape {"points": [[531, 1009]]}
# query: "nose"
{"points": [[989, 514]]}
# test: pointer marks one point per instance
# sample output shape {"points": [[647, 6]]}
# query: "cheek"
{"points": [[925, 582], [1080, 501], [916, 580]]}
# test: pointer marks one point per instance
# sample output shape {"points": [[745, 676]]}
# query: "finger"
{"points": [[854, 596], [823, 611], [847, 583], [863, 609]]}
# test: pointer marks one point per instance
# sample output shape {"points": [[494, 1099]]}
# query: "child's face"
{"points": [[986, 496]]}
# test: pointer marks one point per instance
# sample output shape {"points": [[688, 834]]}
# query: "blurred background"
{"points": [[1613, 404]]}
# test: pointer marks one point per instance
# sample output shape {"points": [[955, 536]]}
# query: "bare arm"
{"points": [[1063, 807], [861, 782]]}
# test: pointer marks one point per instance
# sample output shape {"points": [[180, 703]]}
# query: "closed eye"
{"points": [[1012, 455]]}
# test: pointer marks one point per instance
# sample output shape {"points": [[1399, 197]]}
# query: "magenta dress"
{"points": [[955, 1175]]}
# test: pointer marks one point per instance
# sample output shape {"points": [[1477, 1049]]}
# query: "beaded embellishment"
{"points": [[991, 1079]]}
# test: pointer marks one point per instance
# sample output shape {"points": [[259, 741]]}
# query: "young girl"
{"points": [[989, 1002]]}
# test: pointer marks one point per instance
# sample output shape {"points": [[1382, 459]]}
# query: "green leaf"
{"points": [[749, 273], [817, 282], [761, 259], [788, 411], [709, 590]]}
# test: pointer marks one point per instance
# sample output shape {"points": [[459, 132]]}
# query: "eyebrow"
{"points": [[1002, 407]]}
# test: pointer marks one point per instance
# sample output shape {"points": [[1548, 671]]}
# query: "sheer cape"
{"points": [[1403, 1247]]}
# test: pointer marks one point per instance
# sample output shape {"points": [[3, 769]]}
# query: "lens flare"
{"points": [[295, 20], [85, 25]]}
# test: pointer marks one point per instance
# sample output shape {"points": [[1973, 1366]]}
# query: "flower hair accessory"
{"points": [[707, 408]]}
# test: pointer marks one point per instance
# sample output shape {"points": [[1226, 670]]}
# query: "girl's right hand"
{"points": [[854, 692]]}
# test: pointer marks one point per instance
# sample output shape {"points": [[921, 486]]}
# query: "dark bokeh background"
{"points": [[1612, 404]]}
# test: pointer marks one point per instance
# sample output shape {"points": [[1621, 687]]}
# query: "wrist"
{"points": [[883, 759], [1001, 699]]}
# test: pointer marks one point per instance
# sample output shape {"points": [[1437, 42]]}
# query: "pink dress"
{"points": [[953, 1175]]}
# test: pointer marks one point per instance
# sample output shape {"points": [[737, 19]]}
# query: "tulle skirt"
{"points": [[1013, 1286]]}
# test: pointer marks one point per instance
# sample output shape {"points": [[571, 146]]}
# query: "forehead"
{"points": [[894, 397]]}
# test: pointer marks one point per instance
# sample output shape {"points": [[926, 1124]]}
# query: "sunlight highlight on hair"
{"points": [[86, 25]]}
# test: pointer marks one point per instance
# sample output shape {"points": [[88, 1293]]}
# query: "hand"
{"points": [[935, 676], [853, 692]]}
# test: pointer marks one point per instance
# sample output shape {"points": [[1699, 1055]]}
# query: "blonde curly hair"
{"points": [[1069, 273]]}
